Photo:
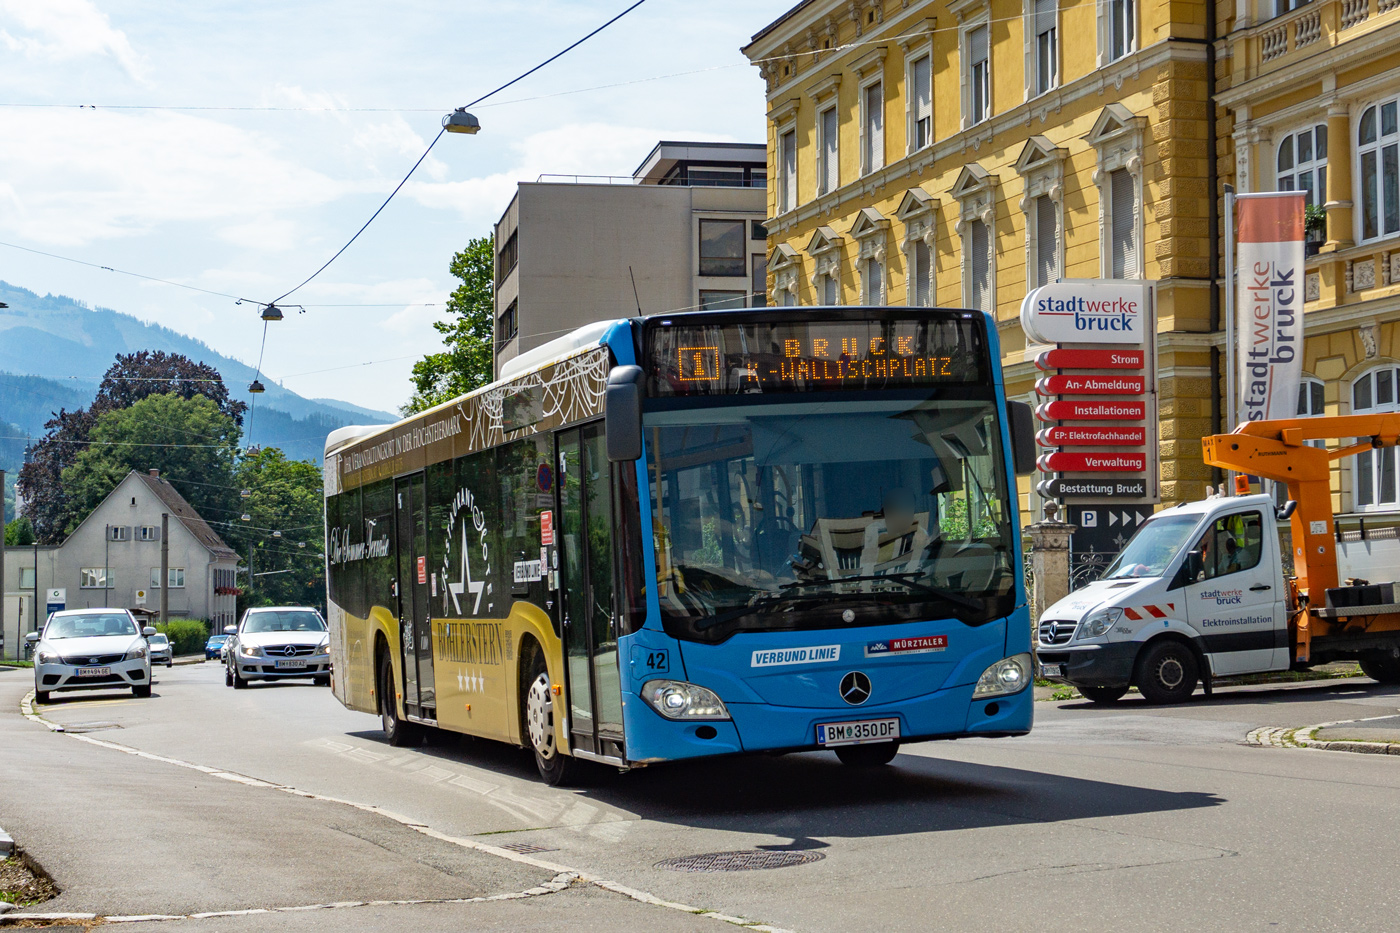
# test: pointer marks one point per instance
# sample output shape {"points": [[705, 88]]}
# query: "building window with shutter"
{"points": [[1124, 260], [1047, 53], [1122, 28], [787, 171], [921, 258], [829, 171], [921, 100], [1047, 240], [979, 266], [828, 290], [148, 533], [872, 154], [979, 76], [874, 282]]}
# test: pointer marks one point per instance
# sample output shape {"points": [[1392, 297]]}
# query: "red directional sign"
{"points": [[1071, 410], [1090, 437], [1089, 385], [1062, 462], [1089, 359]]}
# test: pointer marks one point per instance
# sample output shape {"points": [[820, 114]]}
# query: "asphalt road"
{"points": [[1130, 817]]}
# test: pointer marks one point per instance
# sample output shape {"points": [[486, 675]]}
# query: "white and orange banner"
{"points": [[1269, 319]]}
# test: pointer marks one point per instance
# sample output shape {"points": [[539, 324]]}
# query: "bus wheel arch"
{"points": [[539, 731], [1167, 669]]}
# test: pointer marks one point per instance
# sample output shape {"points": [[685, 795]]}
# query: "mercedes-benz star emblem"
{"points": [[848, 616], [290, 651], [855, 688]]}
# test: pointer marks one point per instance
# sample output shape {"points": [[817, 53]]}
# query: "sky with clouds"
{"points": [[209, 188]]}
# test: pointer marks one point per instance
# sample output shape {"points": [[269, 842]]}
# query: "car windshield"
{"points": [[159, 640], [1150, 551], [218, 639], [89, 625], [283, 620], [812, 515]]}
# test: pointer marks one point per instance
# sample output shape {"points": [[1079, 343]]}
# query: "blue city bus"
{"points": [[695, 534]]}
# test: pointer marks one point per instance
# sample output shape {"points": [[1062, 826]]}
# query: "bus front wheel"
{"points": [[399, 733], [867, 756], [556, 768]]}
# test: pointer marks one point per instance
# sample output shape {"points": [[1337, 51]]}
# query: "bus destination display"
{"points": [[800, 356]]}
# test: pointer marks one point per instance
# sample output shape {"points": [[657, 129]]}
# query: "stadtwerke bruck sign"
{"points": [[1087, 311]]}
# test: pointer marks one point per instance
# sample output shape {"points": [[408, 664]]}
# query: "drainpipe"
{"points": [[1213, 229]]}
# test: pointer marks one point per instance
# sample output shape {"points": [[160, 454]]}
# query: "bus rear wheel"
{"points": [[1382, 670], [1104, 695], [556, 769], [867, 756], [399, 733]]}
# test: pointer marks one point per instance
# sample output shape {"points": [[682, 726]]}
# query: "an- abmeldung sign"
{"points": [[1087, 311], [1269, 332]]}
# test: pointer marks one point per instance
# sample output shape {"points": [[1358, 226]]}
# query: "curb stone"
{"points": [[1283, 737], [7, 844]]}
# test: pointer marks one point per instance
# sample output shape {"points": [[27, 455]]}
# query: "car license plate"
{"points": [[295, 664], [94, 671], [855, 733], [1052, 670]]}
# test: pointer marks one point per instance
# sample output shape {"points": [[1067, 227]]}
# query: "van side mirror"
{"points": [[1189, 570], [32, 638], [230, 630], [1284, 512], [1021, 425], [623, 408]]}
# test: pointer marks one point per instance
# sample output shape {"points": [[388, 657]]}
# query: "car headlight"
{"points": [[676, 699], [49, 656], [249, 651], [1097, 624], [324, 646], [1009, 675], [137, 653]]}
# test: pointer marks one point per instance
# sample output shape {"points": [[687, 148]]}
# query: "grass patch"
{"points": [[4, 664], [23, 887]]}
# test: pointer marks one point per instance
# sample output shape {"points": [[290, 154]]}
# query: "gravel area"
{"points": [[19, 885]]}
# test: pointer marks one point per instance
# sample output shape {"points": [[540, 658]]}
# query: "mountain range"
{"points": [[54, 351]]}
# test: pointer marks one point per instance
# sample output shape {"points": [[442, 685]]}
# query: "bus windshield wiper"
{"points": [[903, 578], [764, 602]]}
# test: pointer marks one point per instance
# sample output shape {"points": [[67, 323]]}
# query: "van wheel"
{"points": [[1104, 695], [1382, 670], [556, 769], [400, 734], [1167, 673], [867, 756]]}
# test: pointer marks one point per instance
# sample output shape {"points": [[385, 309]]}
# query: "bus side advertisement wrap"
{"points": [[735, 358]]}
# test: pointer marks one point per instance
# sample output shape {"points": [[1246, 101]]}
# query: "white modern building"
{"points": [[685, 230]]}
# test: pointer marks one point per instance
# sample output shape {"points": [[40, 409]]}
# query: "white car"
{"points": [[91, 649], [277, 642], [161, 650]]}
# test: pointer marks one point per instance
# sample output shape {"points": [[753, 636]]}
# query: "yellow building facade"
{"points": [[961, 153]]}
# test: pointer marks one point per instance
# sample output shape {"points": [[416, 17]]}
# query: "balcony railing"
{"points": [[1317, 25]]}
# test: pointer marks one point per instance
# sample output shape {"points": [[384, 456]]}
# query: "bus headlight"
{"points": [[1009, 675], [1097, 624], [676, 699]]}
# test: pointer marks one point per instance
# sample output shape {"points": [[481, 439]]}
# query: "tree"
{"points": [[19, 533], [467, 360], [132, 377], [189, 440], [285, 496]]}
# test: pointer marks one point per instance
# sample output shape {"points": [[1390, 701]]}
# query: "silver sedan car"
{"points": [[161, 650], [91, 649], [277, 642]]}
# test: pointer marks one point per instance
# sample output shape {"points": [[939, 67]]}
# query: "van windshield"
{"points": [[1151, 550]]}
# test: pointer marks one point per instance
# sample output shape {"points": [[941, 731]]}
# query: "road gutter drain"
{"points": [[744, 860]]}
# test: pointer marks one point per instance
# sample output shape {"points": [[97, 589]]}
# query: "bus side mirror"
{"points": [[623, 408], [1021, 422]]}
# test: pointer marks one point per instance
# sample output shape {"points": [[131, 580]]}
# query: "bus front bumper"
{"points": [[945, 714]]}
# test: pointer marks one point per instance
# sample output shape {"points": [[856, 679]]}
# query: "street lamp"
{"points": [[459, 121]]}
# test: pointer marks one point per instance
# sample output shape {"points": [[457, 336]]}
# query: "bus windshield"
{"points": [[821, 514], [1148, 552]]}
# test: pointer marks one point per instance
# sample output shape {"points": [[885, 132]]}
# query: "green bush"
{"points": [[187, 636]]}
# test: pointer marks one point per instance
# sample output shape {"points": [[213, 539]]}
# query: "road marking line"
{"points": [[27, 708]]}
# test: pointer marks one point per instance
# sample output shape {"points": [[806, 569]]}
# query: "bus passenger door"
{"points": [[415, 628], [586, 584]]}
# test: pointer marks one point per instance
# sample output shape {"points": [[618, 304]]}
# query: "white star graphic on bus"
{"points": [[466, 583], [470, 683]]}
